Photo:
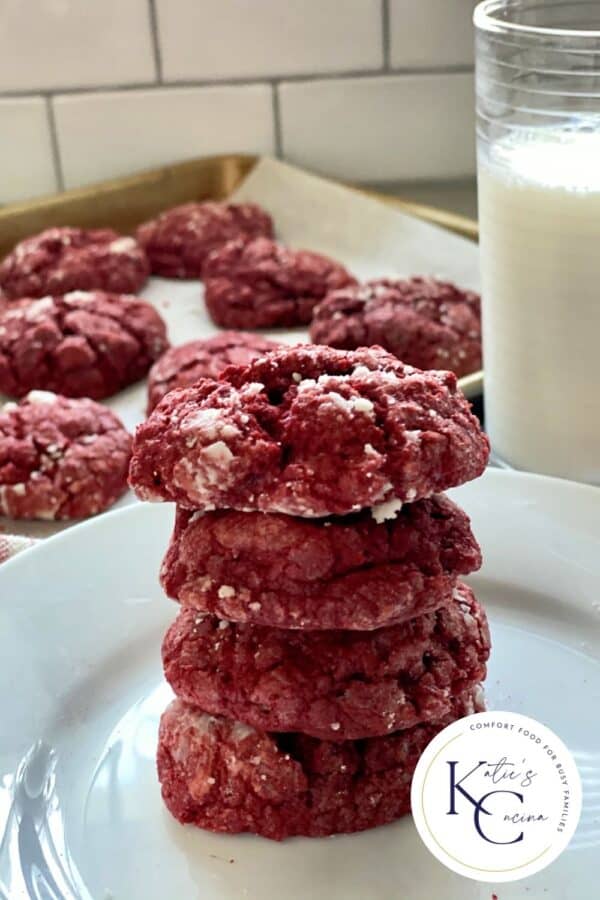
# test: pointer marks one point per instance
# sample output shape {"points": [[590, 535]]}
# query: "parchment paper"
{"points": [[369, 237]]}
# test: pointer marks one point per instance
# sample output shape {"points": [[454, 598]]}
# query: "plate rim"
{"points": [[549, 491]]}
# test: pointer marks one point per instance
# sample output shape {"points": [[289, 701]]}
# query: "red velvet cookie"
{"points": [[206, 358], [335, 685], [424, 322], [60, 458], [348, 573], [262, 284], [310, 431], [178, 241], [60, 260], [222, 775], [83, 344]]}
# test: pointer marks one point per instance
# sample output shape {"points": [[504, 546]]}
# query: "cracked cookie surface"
{"points": [[310, 431], [82, 344], [178, 240], [60, 458], [263, 284], [60, 260], [426, 323]]}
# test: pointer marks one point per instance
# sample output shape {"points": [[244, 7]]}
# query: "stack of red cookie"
{"points": [[324, 635]]}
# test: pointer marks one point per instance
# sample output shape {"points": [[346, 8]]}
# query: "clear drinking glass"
{"points": [[538, 147]]}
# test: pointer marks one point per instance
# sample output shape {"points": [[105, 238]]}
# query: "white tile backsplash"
{"points": [[26, 164], [383, 128], [48, 44], [107, 134], [432, 33], [205, 39], [138, 83]]}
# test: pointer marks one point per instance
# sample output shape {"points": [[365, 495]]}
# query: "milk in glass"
{"points": [[539, 215]]}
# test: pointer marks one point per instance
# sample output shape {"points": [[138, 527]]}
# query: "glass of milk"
{"points": [[538, 139]]}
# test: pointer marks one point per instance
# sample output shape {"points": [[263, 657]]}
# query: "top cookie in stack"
{"points": [[324, 636], [310, 431]]}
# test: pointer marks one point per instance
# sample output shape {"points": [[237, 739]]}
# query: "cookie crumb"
{"points": [[388, 510]]}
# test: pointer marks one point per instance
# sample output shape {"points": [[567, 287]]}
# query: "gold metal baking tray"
{"points": [[122, 203]]}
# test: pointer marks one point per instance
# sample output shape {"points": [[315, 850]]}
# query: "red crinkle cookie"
{"points": [[224, 776], [82, 344], [206, 358], [262, 284], [60, 260], [348, 573], [60, 458], [178, 241], [310, 431], [335, 685], [424, 322]]}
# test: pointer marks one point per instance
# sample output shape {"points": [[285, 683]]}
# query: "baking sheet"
{"points": [[371, 238]]}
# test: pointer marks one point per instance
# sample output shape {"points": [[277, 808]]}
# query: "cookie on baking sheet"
{"points": [[347, 572], [185, 364], [335, 685], [424, 322], [310, 431], [263, 284], [178, 240], [60, 260], [222, 775], [60, 458], [82, 344]]}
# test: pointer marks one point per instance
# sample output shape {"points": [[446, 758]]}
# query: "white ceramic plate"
{"points": [[81, 619]]}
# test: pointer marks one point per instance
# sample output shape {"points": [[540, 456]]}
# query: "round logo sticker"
{"points": [[496, 796]]}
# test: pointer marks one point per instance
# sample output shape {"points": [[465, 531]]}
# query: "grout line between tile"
{"points": [[385, 33], [241, 82], [154, 33], [58, 168], [277, 121]]}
